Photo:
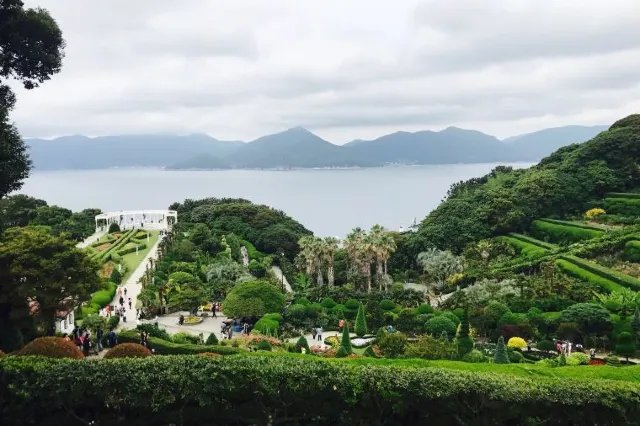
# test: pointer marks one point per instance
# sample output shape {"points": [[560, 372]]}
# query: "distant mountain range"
{"points": [[298, 148]]}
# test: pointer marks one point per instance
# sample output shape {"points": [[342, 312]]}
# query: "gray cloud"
{"points": [[238, 70]]}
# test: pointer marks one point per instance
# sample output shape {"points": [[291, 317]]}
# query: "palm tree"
{"points": [[305, 258], [317, 250], [368, 252], [353, 246], [329, 248]]}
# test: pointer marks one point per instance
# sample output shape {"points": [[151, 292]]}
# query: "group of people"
{"points": [[316, 333], [565, 347], [226, 327], [81, 337]]}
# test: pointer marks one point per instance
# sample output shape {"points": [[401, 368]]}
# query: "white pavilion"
{"points": [[141, 219]]}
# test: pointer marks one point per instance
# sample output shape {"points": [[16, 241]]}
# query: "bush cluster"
{"points": [[51, 347], [128, 350], [163, 347]]}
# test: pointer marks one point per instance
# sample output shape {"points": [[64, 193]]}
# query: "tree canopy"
{"points": [[31, 51], [252, 299]]}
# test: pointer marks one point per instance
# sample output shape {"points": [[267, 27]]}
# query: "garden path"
{"points": [[325, 334], [134, 287], [90, 239], [206, 327], [280, 276]]}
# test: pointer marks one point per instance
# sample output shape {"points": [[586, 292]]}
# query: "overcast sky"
{"points": [[344, 69]]}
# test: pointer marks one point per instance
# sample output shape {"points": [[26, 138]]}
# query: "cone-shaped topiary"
{"points": [[52, 347], [211, 340], [128, 350], [302, 343], [342, 352], [346, 339], [500, 357], [369, 352], [361, 322], [464, 342], [613, 361]]}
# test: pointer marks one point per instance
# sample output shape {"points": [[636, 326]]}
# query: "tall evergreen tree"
{"points": [[635, 324], [346, 339], [361, 322], [501, 357], [464, 341]]}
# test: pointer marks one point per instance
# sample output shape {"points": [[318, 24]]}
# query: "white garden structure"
{"points": [[141, 219]]}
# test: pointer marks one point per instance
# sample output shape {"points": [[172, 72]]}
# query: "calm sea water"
{"points": [[329, 202]]}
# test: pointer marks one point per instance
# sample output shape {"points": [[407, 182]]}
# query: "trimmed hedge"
{"points": [[533, 241], [576, 271], [128, 350], [296, 390], [575, 224], [622, 195], [125, 251], [622, 206], [562, 233], [103, 297], [164, 347], [524, 248], [632, 251], [107, 255], [606, 273], [51, 347]]}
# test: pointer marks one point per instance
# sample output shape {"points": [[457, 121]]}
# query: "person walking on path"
{"points": [[99, 333], [112, 338], [230, 333], [125, 291], [314, 333], [319, 334], [120, 292], [107, 311], [130, 303], [181, 319], [86, 344], [121, 301], [213, 310]]}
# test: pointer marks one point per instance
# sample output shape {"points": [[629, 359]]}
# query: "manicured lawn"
{"points": [[131, 260], [583, 372]]}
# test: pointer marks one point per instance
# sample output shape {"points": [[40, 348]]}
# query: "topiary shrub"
{"points": [[612, 361], [424, 309], [303, 301], [302, 343], [352, 304], [578, 358], [264, 325], [500, 356], [361, 322], [626, 345], [338, 309], [475, 356], [114, 227], [369, 352], [274, 317], [210, 354], [387, 305], [51, 347], [128, 350], [211, 340], [465, 345], [116, 276], [113, 322], [517, 343], [346, 339], [328, 303], [453, 317], [393, 345], [545, 345], [515, 357], [435, 326], [342, 352], [264, 345]]}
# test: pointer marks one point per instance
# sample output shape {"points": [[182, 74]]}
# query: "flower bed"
{"points": [[596, 362], [103, 246], [192, 320], [107, 269], [332, 341], [361, 342]]}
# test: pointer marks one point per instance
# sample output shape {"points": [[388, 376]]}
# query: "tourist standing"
{"points": [[319, 334], [125, 291], [569, 348], [314, 333], [107, 310], [99, 339], [121, 301], [230, 333], [213, 310], [112, 338], [181, 319], [130, 304]]}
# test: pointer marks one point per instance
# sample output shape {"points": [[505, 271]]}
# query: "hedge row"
{"points": [[576, 271], [107, 255], [139, 246], [524, 248], [623, 195], [533, 241], [632, 251], [574, 224], [164, 347], [562, 233], [282, 390], [622, 206], [609, 274]]}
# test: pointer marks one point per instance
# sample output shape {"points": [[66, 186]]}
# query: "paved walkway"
{"points": [[133, 287], [280, 276], [90, 239], [325, 334]]}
